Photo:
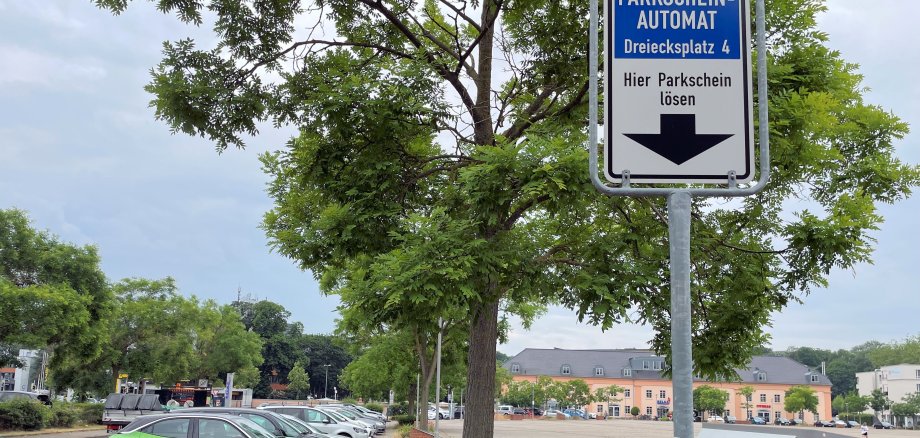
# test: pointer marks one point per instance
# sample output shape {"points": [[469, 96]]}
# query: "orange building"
{"points": [[639, 373]]}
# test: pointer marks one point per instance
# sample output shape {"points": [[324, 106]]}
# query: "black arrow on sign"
{"points": [[678, 140]]}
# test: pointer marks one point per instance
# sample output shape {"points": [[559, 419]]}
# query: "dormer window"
{"points": [[814, 378], [657, 365], [627, 372], [515, 368], [566, 370], [761, 376], [598, 371], [645, 364]]}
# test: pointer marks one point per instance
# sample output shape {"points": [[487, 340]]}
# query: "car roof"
{"points": [[144, 420]]}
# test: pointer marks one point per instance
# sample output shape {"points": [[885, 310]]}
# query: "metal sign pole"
{"points": [[681, 349], [437, 391]]}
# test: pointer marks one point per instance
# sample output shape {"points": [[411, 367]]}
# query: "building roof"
{"points": [[582, 363]]}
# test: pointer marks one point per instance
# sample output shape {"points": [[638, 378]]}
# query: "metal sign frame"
{"points": [[626, 189]]}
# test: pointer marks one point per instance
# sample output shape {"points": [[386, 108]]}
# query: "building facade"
{"points": [[895, 381], [639, 372]]}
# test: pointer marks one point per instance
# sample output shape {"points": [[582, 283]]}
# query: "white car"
{"points": [[327, 423], [715, 419]]}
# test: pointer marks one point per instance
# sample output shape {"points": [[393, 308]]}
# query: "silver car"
{"points": [[325, 422], [378, 425]]}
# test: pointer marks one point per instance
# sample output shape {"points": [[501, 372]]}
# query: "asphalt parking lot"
{"points": [[626, 428]]}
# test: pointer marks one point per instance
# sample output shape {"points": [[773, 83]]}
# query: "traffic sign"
{"points": [[678, 104]]}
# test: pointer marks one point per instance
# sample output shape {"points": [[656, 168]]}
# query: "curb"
{"points": [[44, 432]]}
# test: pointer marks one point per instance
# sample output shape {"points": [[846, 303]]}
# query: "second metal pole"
{"points": [[437, 390], [681, 350]]}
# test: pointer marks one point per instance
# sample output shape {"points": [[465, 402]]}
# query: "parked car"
{"points": [[715, 419], [825, 423], [458, 412], [882, 425], [757, 420], [730, 419], [780, 421], [519, 411], [839, 423], [193, 425], [270, 421], [505, 409], [853, 423], [554, 413], [327, 423], [797, 421], [576, 413], [303, 424], [376, 424]]}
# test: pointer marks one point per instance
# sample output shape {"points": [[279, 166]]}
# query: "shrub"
{"points": [[374, 407], [63, 415], [404, 419], [89, 413], [349, 400], [23, 414], [397, 409], [404, 431]]}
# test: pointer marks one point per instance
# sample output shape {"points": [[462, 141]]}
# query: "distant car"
{"points": [[839, 423], [193, 425], [576, 413], [757, 420], [715, 419], [780, 421], [882, 425], [519, 411], [505, 409], [852, 423], [697, 419], [554, 413], [327, 423], [797, 421], [592, 415], [730, 419]]}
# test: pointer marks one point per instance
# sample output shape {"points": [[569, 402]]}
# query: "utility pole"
{"points": [[326, 385]]}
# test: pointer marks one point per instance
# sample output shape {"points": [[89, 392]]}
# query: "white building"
{"points": [[895, 381], [31, 376]]}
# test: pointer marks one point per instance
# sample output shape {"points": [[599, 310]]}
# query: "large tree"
{"points": [[53, 293], [446, 138], [709, 399]]}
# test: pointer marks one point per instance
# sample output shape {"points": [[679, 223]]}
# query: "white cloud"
{"points": [[39, 69]]}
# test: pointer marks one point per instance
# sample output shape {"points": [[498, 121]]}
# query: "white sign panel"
{"points": [[678, 104]]}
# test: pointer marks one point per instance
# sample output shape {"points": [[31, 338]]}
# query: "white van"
{"points": [[505, 409]]}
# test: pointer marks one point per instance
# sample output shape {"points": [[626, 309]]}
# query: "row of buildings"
{"points": [[639, 372]]}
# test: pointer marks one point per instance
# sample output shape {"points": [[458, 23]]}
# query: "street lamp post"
{"points": [[326, 385]]}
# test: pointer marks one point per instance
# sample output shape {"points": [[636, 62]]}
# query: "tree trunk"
{"points": [[480, 403], [413, 392]]}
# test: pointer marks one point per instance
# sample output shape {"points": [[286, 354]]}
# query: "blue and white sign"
{"points": [[678, 91]]}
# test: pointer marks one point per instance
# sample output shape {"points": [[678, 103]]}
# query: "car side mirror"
{"points": [[279, 432], [325, 421]]}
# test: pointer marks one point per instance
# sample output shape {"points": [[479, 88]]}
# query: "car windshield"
{"points": [[346, 414], [291, 428], [252, 428], [297, 421], [335, 415]]}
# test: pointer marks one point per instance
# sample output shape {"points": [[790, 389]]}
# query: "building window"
{"points": [[814, 378], [645, 365], [566, 370], [748, 397], [598, 371], [777, 414], [918, 387], [627, 393], [600, 409], [761, 376], [628, 410], [918, 375], [775, 398], [662, 394], [648, 410], [763, 398], [515, 368], [657, 365], [648, 393], [627, 372]]}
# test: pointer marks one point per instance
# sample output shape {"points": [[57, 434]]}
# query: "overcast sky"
{"points": [[81, 152]]}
